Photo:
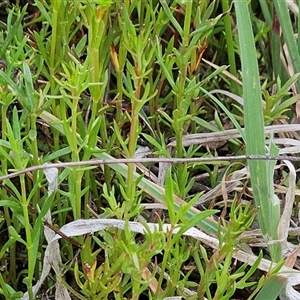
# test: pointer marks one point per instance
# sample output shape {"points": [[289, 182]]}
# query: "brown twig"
{"points": [[97, 162]]}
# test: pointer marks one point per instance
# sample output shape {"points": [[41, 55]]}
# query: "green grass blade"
{"points": [[254, 131], [271, 289], [288, 33]]}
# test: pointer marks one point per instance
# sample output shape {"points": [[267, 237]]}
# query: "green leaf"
{"points": [[288, 33], [171, 17], [271, 289], [32, 134], [169, 197], [12, 31], [227, 112], [194, 221], [260, 171], [29, 90], [13, 233]]}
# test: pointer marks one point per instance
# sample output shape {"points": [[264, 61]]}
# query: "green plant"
{"points": [[261, 172], [217, 269], [99, 79]]}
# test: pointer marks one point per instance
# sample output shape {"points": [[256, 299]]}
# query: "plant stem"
{"points": [[54, 44], [29, 241], [4, 168], [180, 96], [133, 141], [230, 44]]}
